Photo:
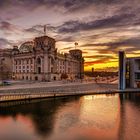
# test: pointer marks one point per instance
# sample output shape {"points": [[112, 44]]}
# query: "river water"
{"points": [[93, 117]]}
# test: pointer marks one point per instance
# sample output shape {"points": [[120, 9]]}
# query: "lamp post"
{"points": [[76, 44]]}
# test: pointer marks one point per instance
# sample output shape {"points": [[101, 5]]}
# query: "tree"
{"points": [[64, 76], [5, 73]]}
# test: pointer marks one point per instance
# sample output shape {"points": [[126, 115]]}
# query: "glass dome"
{"points": [[27, 47]]}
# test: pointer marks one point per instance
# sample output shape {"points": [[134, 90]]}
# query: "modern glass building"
{"points": [[129, 71]]}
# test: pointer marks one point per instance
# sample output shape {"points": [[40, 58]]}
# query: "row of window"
{"points": [[137, 76], [23, 71], [67, 71], [68, 62], [28, 61], [24, 67]]}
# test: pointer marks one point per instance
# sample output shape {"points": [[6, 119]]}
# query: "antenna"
{"points": [[76, 44]]}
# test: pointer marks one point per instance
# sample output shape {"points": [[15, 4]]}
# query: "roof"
{"points": [[26, 47]]}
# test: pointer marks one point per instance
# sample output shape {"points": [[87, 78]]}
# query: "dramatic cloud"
{"points": [[128, 45], [67, 4], [101, 27], [100, 61], [4, 43], [114, 21], [100, 56], [6, 26]]}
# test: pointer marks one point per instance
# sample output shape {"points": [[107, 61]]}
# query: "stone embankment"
{"points": [[65, 89], [27, 92]]}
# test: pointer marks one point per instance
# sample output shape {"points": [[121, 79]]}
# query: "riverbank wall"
{"points": [[7, 95]]}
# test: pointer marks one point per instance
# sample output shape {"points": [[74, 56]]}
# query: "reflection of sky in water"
{"points": [[81, 118]]}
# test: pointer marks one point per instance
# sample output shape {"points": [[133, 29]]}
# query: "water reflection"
{"points": [[41, 115], [107, 117], [129, 116]]}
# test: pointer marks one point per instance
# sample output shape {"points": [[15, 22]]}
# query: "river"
{"points": [[92, 117]]}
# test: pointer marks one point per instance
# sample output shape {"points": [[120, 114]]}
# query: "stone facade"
{"points": [[39, 60]]}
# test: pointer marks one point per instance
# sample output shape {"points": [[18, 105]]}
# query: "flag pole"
{"points": [[45, 30]]}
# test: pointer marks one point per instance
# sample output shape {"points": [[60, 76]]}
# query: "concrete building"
{"points": [[122, 70], [39, 60], [133, 72], [129, 71]]}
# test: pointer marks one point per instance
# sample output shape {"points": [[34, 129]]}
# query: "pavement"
{"points": [[63, 83], [36, 84], [60, 88]]}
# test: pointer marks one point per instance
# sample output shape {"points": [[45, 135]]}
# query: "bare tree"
{"points": [[5, 72]]}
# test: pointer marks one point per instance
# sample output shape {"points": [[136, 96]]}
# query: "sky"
{"points": [[101, 27]]}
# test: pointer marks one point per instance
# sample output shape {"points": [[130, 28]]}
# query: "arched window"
{"points": [[27, 61], [39, 70], [38, 60]]}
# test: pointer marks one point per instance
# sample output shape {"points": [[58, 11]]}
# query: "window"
{"points": [[51, 69], [68, 62], [138, 65], [52, 61], [16, 62], [38, 60], [39, 70], [68, 70], [31, 61], [19, 62], [36, 78], [137, 76]]}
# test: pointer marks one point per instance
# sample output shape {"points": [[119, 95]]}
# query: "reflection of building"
{"points": [[129, 71], [39, 60]]}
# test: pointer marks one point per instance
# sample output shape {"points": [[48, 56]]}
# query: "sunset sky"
{"points": [[101, 27]]}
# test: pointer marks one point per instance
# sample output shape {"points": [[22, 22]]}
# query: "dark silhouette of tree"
{"points": [[5, 72], [64, 76]]}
